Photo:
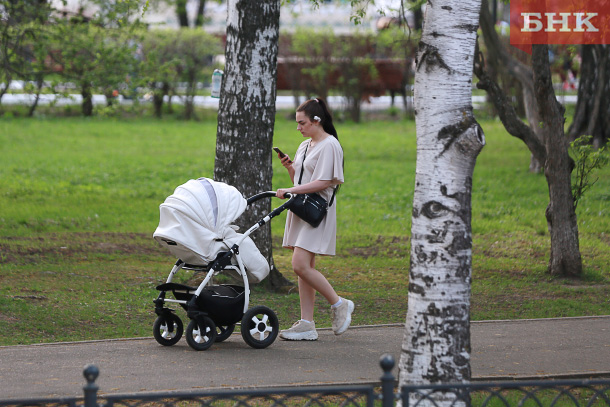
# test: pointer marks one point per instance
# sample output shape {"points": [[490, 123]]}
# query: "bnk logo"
{"points": [[532, 22], [559, 22]]}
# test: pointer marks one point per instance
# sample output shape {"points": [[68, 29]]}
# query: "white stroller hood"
{"points": [[195, 225]]}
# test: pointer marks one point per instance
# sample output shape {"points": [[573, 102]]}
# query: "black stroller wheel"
{"points": [[224, 332], [201, 337], [168, 329], [259, 327]]}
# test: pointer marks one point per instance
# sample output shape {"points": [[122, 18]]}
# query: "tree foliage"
{"points": [[320, 62], [587, 160], [194, 53], [93, 58], [39, 39]]}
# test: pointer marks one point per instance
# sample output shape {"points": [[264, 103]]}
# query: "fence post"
{"points": [[91, 373], [387, 380]]}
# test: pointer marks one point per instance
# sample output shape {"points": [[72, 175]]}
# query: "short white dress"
{"points": [[324, 161]]}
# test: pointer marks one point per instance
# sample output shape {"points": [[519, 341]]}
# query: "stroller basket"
{"points": [[223, 303]]}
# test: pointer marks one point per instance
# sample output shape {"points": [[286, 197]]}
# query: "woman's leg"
{"points": [[307, 297], [310, 281]]}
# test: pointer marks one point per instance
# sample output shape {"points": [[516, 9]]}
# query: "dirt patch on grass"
{"points": [[390, 246], [4, 317], [72, 245], [511, 247]]}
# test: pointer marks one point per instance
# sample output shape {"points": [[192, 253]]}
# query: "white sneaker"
{"points": [[342, 316], [300, 331]]}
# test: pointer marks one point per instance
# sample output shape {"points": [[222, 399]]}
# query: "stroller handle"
{"points": [[271, 214], [266, 194]]}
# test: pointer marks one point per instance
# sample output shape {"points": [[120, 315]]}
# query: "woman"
{"points": [[321, 160]]}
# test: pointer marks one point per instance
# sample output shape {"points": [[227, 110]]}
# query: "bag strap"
{"points": [[332, 199]]}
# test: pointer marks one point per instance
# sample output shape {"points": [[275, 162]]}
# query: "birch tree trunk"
{"points": [[246, 114], [436, 344]]}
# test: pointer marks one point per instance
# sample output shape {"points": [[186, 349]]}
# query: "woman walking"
{"points": [[318, 165]]}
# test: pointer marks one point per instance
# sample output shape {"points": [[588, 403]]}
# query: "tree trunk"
{"points": [[87, 103], [200, 14], [548, 145], [246, 113], [592, 113], [183, 19], [5, 87], [109, 97], [34, 105], [158, 96], [158, 104], [436, 345], [565, 259], [499, 57]]}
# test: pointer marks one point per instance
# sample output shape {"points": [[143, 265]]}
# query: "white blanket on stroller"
{"points": [[195, 225]]}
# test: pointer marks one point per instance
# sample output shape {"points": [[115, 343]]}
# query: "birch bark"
{"points": [[436, 344], [246, 114]]}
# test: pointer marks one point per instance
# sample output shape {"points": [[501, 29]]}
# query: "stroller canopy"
{"points": [[196, 224]]}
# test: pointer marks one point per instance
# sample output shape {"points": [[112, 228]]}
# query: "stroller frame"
{"points": [[259, 325]]}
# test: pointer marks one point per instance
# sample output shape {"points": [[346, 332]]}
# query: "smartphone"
{"points": [[282, 155]]}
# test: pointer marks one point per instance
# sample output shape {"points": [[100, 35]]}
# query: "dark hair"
{"points": [[317, 107]]}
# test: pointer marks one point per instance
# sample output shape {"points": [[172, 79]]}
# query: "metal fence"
{"points": [[548, 393]]}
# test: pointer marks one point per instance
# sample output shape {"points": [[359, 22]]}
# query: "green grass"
{"points": [[79, 203]]}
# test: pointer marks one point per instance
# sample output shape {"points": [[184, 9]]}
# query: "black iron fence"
{"points": [[548, 393]]}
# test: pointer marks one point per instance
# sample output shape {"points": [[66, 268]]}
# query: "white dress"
{"points": [[324, 161]]}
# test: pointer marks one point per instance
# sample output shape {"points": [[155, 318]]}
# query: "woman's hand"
{"points": [[313, 186], [286, 161], [281, 192], [288, 164]]}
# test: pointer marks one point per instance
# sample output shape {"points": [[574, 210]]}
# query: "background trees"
{"points": [[93, 58], [592, 114], [544, 137], [40, 43], [22, 40], [357, 66], [194, 54], [158, 69]]}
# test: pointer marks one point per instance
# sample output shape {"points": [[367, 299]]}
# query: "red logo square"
{"points": [[559, 22]]}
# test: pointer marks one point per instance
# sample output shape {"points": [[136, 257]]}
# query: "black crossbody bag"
{"points": [[312, 207]]}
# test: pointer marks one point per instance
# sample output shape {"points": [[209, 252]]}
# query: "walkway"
{"points": [[522, 349]]}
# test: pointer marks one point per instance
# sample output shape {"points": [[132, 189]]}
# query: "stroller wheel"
{"points": [[167, 329], [224, 332], [201, 337], [259, 327]]}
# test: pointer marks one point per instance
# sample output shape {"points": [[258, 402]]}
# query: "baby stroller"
{"points": [[195, 225]]}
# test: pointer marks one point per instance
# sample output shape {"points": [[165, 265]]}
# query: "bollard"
{"points": [[91, 372], [387, 380], [216, 82]]}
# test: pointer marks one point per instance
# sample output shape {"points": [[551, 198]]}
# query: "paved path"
{"points": [[524, 349]]}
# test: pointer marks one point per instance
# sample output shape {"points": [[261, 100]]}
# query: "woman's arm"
{"points": [[313, 186]]}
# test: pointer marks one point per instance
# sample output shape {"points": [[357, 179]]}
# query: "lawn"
{"points": [[79, 203]]}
